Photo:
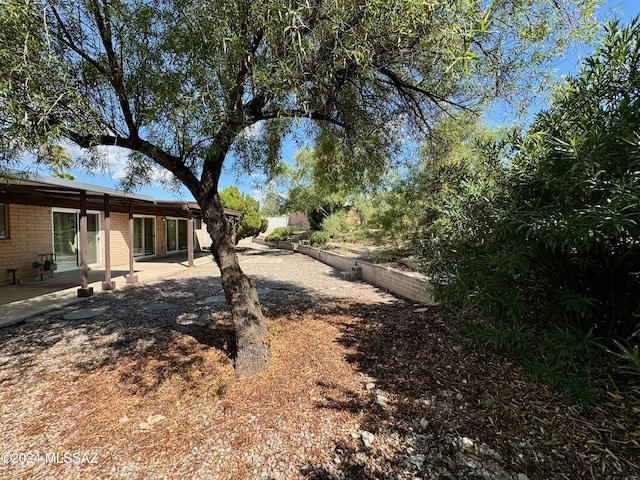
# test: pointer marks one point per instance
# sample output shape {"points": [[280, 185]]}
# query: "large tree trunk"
{"points": [[252, 336]]}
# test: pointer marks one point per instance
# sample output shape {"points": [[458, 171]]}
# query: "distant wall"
{"points": [[336, 261], [285, 221], [299, 219], [276, 222], [202, 235]]}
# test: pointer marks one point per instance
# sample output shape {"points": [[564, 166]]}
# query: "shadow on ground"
{"points": [[402, 352], [436, 408]]}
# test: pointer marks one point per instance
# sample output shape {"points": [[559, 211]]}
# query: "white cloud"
{"points": [[115, 160], [252, 131]]}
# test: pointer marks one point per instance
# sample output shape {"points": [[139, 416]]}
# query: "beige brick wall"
{"points": [[119, 238], [29, 235], [409, 285], [161, 236]]}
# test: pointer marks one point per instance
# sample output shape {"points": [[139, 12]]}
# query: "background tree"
{"points": [[408, 202], [273, 203], [251, 223], [308, 191], [183, 84]]}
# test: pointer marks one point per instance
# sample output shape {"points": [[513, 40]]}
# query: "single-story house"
{"points": [[49, 223]]}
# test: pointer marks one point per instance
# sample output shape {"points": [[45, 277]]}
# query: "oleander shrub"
{"points": [[539, 236]]}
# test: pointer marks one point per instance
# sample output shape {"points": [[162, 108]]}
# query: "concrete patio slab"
{"points": [[33, 298], [159, 306], [84, 313]]}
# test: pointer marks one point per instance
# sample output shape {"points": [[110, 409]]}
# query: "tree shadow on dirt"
{"points": [[143, 334], [397, 349], [141, 327], [426, 381], [436, 408]]}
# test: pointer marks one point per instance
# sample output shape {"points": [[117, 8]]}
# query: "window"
{"points": [[177, 229], [4, 221]]}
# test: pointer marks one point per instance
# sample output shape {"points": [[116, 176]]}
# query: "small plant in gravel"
{"points": [[628, 356], [488, 400], [275, 330]]}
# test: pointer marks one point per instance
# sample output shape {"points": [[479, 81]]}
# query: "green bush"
{"points": [[305, 235], [335, 225], [279, 234], [251, 223], [540, 236], [319, 239]]}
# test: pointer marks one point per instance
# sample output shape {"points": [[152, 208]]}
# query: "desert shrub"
{"points": [[336, 225], [279, 234], [304, 235], [319, 239]]}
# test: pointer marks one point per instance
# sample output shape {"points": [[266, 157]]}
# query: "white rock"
{"points": [[153, 419], [424, 423], [367, 438], [417, 460], [382, 400], [370, 386], [466, 442]]}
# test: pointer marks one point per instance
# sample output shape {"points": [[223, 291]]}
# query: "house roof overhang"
{"points": [[34, 189]]}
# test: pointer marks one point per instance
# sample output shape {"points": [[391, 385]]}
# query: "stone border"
{"points": [[411, 285]]}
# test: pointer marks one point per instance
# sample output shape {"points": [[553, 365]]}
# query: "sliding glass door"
{"points": [[177, 229], [144, 236], [66, 238]]}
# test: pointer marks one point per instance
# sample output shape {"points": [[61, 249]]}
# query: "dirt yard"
{"points": [[363, 385]]}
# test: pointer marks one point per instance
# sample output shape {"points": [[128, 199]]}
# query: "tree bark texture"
{"points": [[253, 353]]}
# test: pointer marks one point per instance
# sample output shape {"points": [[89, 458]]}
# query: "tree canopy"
{"points": [[178, 81], [185, 84]]}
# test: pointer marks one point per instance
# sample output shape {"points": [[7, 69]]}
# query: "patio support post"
{"points": [[108, 284], [190, 239], [84, 290], [234, 227], [132, 279]]}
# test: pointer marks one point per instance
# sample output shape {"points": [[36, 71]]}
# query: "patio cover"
{"points": [[28, 188]]}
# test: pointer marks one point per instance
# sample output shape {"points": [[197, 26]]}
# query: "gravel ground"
{"points": [[362, 385]]}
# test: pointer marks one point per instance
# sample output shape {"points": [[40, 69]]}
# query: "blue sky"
{"points": [[623, 9]]}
